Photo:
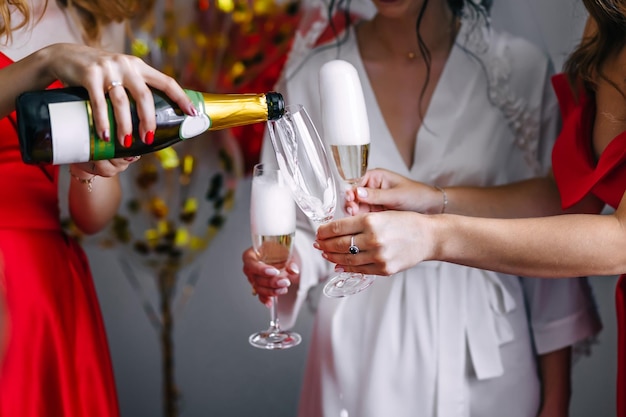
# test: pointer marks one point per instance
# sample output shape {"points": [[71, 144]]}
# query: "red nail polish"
{"points": [[149, 137], [128, 140]]}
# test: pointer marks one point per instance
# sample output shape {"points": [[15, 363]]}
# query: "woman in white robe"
{"points": [[438, 339]]}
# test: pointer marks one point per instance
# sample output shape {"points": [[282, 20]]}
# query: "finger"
{"points": [[121, 110], [132, 159], [340, 227], [170, 87], [339, 245], [269, 283], [97, 101], [293, 269], [145, 107], [367, 269], [376, 196], [254, 267], [376, 178], [106, 168]]}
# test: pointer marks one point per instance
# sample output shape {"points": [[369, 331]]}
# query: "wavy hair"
{"points": [[90, 15], [586, 61]]}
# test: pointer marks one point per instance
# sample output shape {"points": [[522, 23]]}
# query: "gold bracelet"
{"points": [[445, 198], [88, 181]]}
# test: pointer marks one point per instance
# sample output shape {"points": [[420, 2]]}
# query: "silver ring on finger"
{"points": [[353, 249], [114, 84]]}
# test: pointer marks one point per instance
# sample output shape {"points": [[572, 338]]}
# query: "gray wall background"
{"points": [[218, 373]]}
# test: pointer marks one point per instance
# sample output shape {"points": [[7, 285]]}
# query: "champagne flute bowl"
{"points": [[273, 228]]}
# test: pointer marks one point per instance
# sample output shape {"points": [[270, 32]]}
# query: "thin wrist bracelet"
{"points": [[88, 181], [445, 199]]}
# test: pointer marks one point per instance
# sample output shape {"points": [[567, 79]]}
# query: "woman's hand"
{"points": [[100, 72], [266, 280], [105, 168], [381, 189], [103, 72], [388, 241]]}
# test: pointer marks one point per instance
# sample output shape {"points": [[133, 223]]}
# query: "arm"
{"points": [[94, 199], [555, 374], [384, 190], [557, 246]]}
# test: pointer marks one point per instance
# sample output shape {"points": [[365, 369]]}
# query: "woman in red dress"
{"points": [[589, 172], [54, 354]]}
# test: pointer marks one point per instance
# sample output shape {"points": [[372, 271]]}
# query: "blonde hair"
{"points": [[90, 15]]}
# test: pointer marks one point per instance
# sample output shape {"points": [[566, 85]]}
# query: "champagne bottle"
{"points": [[56, 126]]}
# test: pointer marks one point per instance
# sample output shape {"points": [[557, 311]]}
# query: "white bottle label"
{"points": [[70, 141]]}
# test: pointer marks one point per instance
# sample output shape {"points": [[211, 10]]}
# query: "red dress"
{"points": [[56, 359], [577, 174]]}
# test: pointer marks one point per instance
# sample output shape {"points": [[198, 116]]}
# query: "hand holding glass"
{"points": [[273, 227]]}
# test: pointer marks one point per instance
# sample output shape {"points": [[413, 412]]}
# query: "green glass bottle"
{"points": [[56, 126]]}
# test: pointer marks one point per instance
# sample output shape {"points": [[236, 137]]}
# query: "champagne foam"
{"points": [[273, 210]]}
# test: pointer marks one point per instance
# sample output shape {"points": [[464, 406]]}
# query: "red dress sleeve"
{"points": [[575, 169]]}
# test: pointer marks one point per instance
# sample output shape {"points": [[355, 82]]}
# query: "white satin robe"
{"points": [[440, 339]]}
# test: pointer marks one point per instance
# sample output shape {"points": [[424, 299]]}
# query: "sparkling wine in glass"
{"points": [[273, 228], [304, 162], [346, 131]]}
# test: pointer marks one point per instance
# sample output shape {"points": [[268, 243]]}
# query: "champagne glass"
{"points": [[303, 160], [346, 131], [273, 227]]}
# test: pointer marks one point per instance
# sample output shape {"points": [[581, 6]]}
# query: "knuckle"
{"points": [[335, 228]]}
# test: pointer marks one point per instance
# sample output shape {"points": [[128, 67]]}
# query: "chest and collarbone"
{"points": [[403, 86]]}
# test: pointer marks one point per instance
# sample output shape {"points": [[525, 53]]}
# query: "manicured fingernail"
{"points": [[349, 210], [361, 192], [339, 269], [283, 282], [348, 197], [128, 140], [271, 272], [149, 137], [106, 136], [316, 245], [281, 291], [294, 268], [192, 110]]}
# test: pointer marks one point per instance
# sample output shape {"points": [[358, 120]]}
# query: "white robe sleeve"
{"points": [[562, 312]]}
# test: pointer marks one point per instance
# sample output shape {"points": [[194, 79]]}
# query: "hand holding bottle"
{"points": [[99, 72], [148, 111]]}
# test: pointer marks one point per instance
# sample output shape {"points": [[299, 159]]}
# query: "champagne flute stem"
{"points": [[274, 326]]}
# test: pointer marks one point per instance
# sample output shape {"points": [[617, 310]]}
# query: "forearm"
{"points": [[529, 198], [555, 374], [31, 73], [558, 246], [92, 210]]}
